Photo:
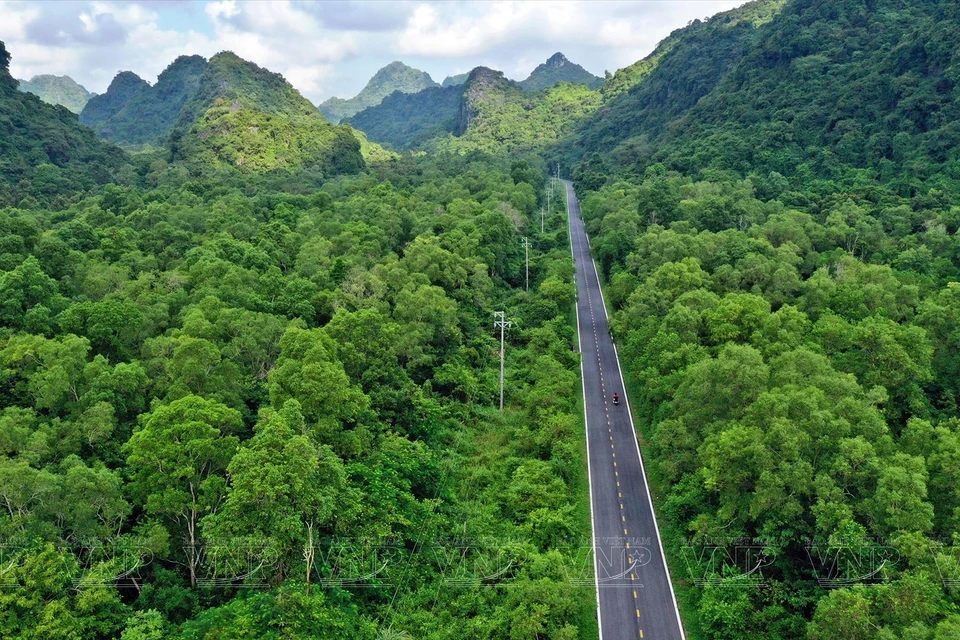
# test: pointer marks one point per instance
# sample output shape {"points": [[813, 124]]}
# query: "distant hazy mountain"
{"points": [[61, 90], [558, 69], [396, 76], [452, 81], [147, 113]]}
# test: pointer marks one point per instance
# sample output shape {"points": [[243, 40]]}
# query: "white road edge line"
{"points": [[636, 442], [586, 424]]}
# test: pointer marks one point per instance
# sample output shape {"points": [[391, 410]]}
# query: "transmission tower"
{"points": [[500, 321]]}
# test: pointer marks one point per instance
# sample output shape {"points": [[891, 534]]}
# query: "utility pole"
{"points": [[526, 247], [499, 321], [541, 219]]}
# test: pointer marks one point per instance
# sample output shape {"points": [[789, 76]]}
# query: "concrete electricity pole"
{"points": [[526, 249], [541, 219], [499, 321]]}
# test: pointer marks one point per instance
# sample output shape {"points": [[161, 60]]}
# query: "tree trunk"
{"points": [[309, 551]]}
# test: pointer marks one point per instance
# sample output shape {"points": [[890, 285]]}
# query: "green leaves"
{"points": [[308, 371], [286, 493], [178, 458], [24, 289]]}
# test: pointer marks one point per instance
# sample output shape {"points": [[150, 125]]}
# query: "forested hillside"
{"points": [[244, 116], [101, 109], [406, 121], [62, 90], [225, 112], [777, 230], [396, 76], [813, 92], [45, 156]]}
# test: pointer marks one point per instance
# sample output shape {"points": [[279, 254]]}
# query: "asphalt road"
{"points": [[635, 595]]}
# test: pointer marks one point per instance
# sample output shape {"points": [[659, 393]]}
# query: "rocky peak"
{"points": [[482, 85], [557, 60]]}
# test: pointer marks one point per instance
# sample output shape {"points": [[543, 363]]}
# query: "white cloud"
{"points": [[332, 48]]}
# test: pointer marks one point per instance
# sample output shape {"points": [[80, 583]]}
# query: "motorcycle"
{"points": [[616, 399]]}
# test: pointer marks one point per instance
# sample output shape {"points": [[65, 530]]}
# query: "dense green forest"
{"points": [[251, 373], [262, 405]]}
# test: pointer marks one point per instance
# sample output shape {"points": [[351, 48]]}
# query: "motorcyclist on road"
{"points": [[616, 399]]}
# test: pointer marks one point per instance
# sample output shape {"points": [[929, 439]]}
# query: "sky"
{"points": [[332, 47]]}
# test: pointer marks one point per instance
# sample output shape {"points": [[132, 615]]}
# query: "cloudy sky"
{"points": [[333, 47]]}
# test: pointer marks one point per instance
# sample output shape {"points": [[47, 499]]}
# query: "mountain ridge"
{"points": [[148, 114], [488, 112]]}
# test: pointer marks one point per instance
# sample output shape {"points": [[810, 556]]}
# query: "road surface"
{"points": [[635, 595]]}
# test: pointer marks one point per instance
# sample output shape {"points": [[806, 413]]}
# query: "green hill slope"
{"points": [[497, 116], [247, 117], [808, 91], [406, 121], [642, 99], [558, 69], [396, 76], [44, 152], [62, 90], [827, 90]]}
